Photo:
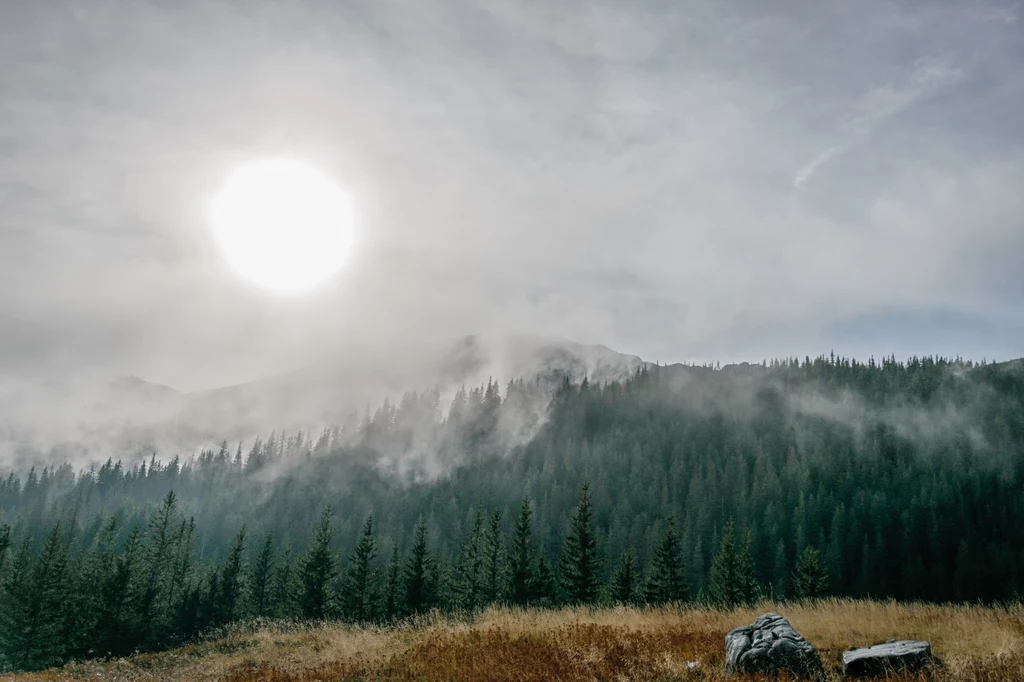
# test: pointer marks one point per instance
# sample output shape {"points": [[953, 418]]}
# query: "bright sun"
{"points": [[283, 225]]}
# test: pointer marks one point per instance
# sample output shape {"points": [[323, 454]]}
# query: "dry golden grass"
{"points": [[975, 644]]}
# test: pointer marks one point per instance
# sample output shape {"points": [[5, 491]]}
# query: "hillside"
{"points": [[89, 419], [974, 644], [827, 477]]}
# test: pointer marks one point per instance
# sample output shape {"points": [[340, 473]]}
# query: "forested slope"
{"points": [[832, 476]]}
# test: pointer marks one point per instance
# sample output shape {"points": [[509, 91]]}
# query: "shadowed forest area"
{"points": [[827, 477]]}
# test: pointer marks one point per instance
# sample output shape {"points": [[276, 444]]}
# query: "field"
{"points": [[974, 644]]}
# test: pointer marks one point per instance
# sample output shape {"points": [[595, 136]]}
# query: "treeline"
{"points": [[153, 592], [897, 479]]}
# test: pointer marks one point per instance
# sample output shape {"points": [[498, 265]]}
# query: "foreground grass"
{"points": [[975, 644]]}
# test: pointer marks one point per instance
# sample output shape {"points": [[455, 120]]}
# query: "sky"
{"points": [[685, 181]]}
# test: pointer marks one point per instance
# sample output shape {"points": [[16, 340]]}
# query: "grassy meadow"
{"points": [[974, 643]]}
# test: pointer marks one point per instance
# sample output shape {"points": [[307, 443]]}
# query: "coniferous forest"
{"points": [[790, 479]]}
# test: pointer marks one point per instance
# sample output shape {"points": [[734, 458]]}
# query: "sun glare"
{"points": [[283, 225]]}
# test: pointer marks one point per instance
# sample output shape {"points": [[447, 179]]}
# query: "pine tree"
{"points": [[391, 599], [521, 578], [17, 632], [726, 583], [666, 581], [780, 572], [745, 565], [316, 572], [494, 557], [228, 596], [546, 591], [581, 564], [419, 583], [623, 585], [469, 572], [359, 581], [35, 599], [284, 598], [810, 579], [114, 633], [5, 543], [261, 579], [160, 545]]}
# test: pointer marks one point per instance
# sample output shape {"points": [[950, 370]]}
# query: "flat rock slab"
{"points": [[770, 646], [904, 655]]}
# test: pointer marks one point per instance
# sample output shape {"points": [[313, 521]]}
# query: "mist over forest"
{"points": [[883, 479], [302, 313]]}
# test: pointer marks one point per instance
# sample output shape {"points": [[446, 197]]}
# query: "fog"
{"points": [[679, 182]]}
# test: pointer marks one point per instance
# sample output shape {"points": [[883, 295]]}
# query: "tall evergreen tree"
{"points": [[5, 543], [114, 633], [19, 612], [749, 589], [545, 590], [419, 584], [810, 579], [494, 557], [624, 581], [665, 580], [316, 572], [469, 572], [780, 572], [728, 582], [35, 600], [391, 597], [284, 598], [521, 574], [581, 565], [359, 580], [261, 578], [228, 597], [160, 543]]}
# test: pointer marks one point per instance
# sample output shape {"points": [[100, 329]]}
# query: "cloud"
{"points": [[807, 170], [605, 171], [928, 77]]}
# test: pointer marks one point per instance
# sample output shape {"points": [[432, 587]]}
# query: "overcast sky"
{"points": [[680, 180]]}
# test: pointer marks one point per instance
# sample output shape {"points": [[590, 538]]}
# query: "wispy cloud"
{"points": [[807, 170], [928, 77]]}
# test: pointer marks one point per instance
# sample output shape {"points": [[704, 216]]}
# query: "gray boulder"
{"points": [[769, 646], [881, 659]]}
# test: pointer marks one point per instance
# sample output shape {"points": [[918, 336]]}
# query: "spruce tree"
{"points": [[391, 598], [726, 585], [745, 564], [159, 548], [35, 599], [545, 591], [114, 634], [261, 579], [494, 558], [780, 572], [283, 597], [17, 632], [419, 583], [228, 597], [316, 572], [581, 564], [5, 543], [469, 572], [665, 580], [623, 585], [810, 580], [359, 580], [521, 578]]}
